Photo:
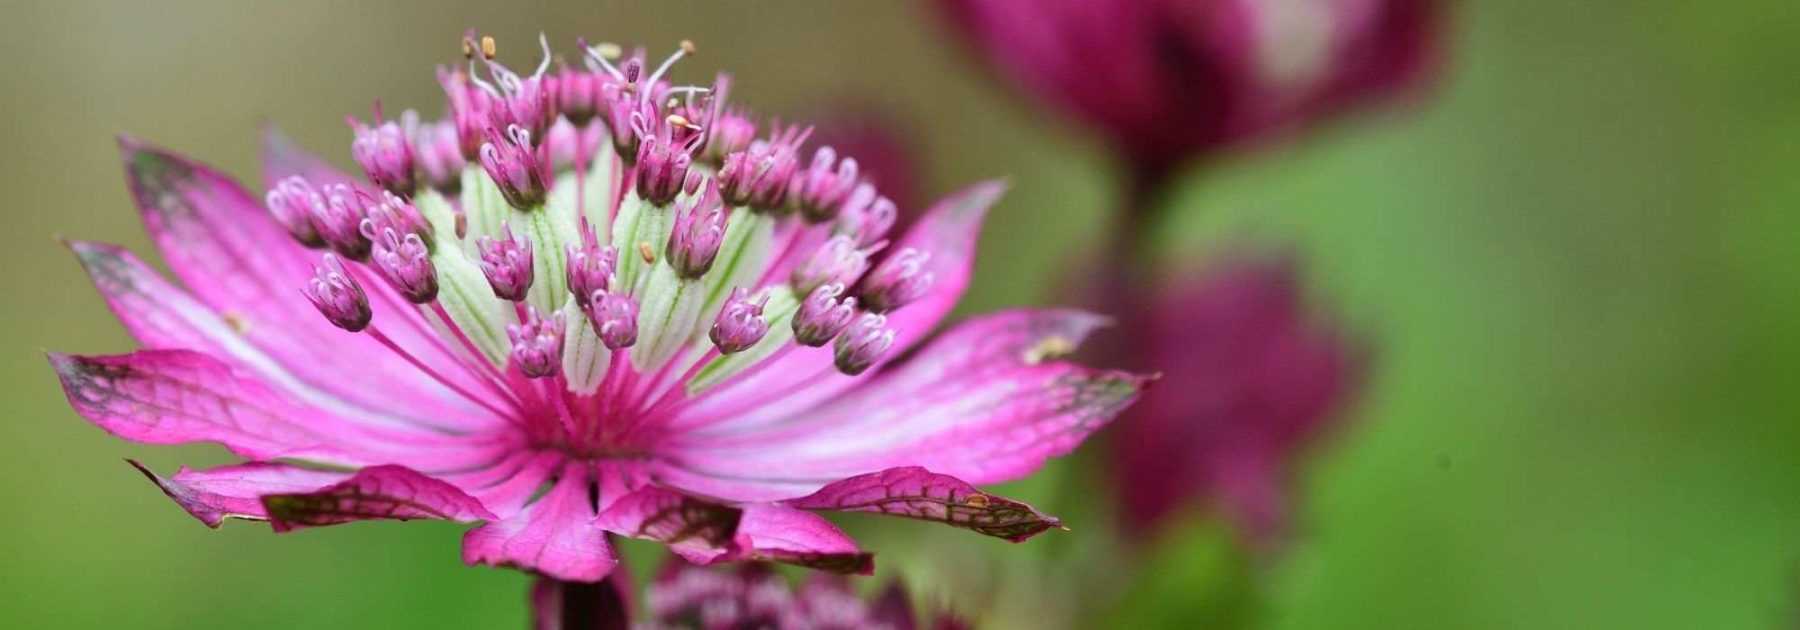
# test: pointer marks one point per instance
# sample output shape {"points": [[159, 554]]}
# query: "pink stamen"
{"points": [[377, 335]]}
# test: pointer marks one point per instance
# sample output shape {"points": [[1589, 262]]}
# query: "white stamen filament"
{"points": [[601, 55], [544, 43], [650, 85]]}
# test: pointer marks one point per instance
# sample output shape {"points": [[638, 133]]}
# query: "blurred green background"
{"points": [[1578, 263]]}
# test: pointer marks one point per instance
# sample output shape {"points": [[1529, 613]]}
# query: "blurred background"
{"points": [[1576, 263]]}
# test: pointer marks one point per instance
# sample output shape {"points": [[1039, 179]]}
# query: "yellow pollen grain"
{"points": [[1049, 348], [677, 120], [237, 322], [644, 251], [687, 46], [608, 50], [977, 501], [488, 48]]}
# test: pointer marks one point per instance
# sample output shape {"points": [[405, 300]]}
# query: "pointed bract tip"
{"points": [[59, 361], [148, 474], [84, 250]]}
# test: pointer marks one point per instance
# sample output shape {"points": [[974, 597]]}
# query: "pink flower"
{"points": [[686, 596], [1248, 382], [617, 395], [1167, 80]]}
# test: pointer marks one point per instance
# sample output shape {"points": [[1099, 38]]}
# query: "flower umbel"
{"points": [[559, 356], [1170, 80], [1251, 381]]}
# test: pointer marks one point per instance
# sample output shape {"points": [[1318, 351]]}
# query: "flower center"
{"points": [[602, 252]]}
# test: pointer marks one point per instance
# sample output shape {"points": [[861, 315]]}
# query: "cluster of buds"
{"points": [[437, 151], [385, 154], [400, 242], [295, 203], [589, 266], [822, 316], [760, 175], [506, 262], [537, 344], [899, 281], [820, 190], [615, 318], [518, 132], [665, 151], [699, 231], [514, 164], [839, 261], [866, 216], [740, 324], [338, 297]]}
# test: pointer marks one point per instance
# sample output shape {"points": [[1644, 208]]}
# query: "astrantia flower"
{"points": [[1251, 380], [541, 356], [690, 597], [1167, 80]]}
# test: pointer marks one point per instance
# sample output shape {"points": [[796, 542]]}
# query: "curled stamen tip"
{"points": [[488, 48], [859, 347], [822, 316], [740, 323], [337, 296], [614, 318], [537, 343]]}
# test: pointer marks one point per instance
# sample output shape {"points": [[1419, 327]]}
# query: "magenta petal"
{"points": [[914, 492], [177, 396], [216, 494], [698, 530], [562, 605], [238, 261], [777, 533], [181, 396], [948, 230], [376, 492], [557, 536], [155, 312], [985, 403], [507, 485]]}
